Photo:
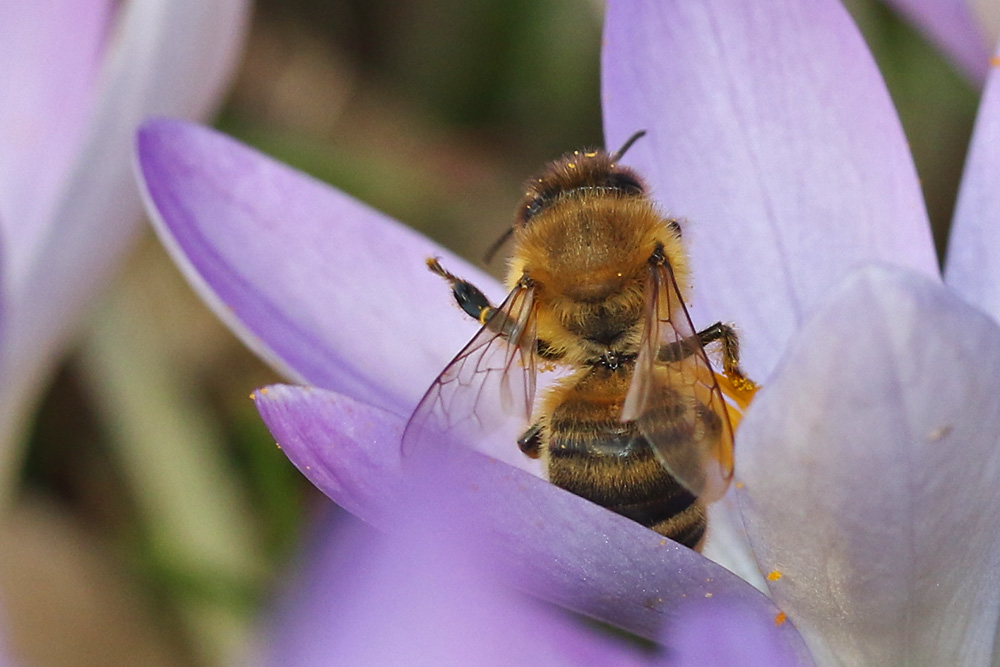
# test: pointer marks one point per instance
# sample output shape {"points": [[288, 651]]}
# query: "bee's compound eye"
{"points": [[625, 182], [533, 207]]}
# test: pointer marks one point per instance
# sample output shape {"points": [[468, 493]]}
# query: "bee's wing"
{"points": [[487, 385], [674, 398]]}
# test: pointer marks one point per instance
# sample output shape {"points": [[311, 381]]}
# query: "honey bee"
{"points": [[639, 422]]}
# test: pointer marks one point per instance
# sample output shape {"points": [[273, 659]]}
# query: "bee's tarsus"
{"points": [[469, 297]]}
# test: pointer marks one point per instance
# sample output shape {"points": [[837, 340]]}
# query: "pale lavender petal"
{"points": [[972, 268], [557, 545], [726, 542], [709, 635], [952, 26], [872, 476], [328, 290], [770, 129], [166, 56], [50, 52], [418, 596]]}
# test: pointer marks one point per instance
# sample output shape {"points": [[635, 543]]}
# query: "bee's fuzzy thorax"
{"points": [[588, 256]]}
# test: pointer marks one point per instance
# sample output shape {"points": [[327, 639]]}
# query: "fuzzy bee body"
{"points": [[589, 451], [598, 281]]}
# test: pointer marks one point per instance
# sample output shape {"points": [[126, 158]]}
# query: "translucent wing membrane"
{"points": [[488, 389], [674, 398]]}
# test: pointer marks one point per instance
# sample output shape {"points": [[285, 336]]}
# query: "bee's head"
{"points": [[575, 174]]}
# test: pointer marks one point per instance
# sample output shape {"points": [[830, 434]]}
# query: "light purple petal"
{"points": [[708, 635], [422, 596], [50, 53], [872, 476], [726, 541], [952, 26], [328, 290], [771, 130], [418, 596], [557, 545], [972, 268], [166, 56]]}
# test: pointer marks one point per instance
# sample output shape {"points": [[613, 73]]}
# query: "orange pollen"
{"points": [[995, 61], [780, 618], [774, 575]]}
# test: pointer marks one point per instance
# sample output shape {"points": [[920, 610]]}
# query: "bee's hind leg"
{"points": [[730, 343]]}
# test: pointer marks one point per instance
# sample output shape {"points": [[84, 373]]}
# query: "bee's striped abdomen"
{"points": [[591, 453]]}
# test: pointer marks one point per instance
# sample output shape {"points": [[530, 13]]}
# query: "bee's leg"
{"points": [[730, 343], [469, 297], [531, 442]]}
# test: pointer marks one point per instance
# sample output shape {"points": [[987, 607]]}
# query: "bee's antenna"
{"points": [[617, 155], [492, 250]]}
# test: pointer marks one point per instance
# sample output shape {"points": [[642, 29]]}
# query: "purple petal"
{"points": [[710, 635], [330, 291], [973, 261], [953, 27], [726, 541], [872, 476], [169, 56], [50, 52], [771, 130], [420, 599], [557, 545]]}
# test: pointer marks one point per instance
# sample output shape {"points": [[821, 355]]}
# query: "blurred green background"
{"points": [[157, 518]]}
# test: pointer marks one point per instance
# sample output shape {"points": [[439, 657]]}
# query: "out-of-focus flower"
{"points": [[965, 30], [427, 596], [868, 465], [78, 78]]}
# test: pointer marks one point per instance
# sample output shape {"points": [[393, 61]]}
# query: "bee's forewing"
{"points": [[487, 391], [674, 398]]}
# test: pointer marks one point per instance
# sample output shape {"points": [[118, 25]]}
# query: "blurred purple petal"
{"points": [[771, 130], [418, 597], [557, 545], [871, 476], [952, 26], [972, 268], [168, 56], [709, 635], [50, 53], [165, 56], [328, 290]]}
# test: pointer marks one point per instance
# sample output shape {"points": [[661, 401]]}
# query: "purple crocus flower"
{"points": [[77, 78], [868, 465]]}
